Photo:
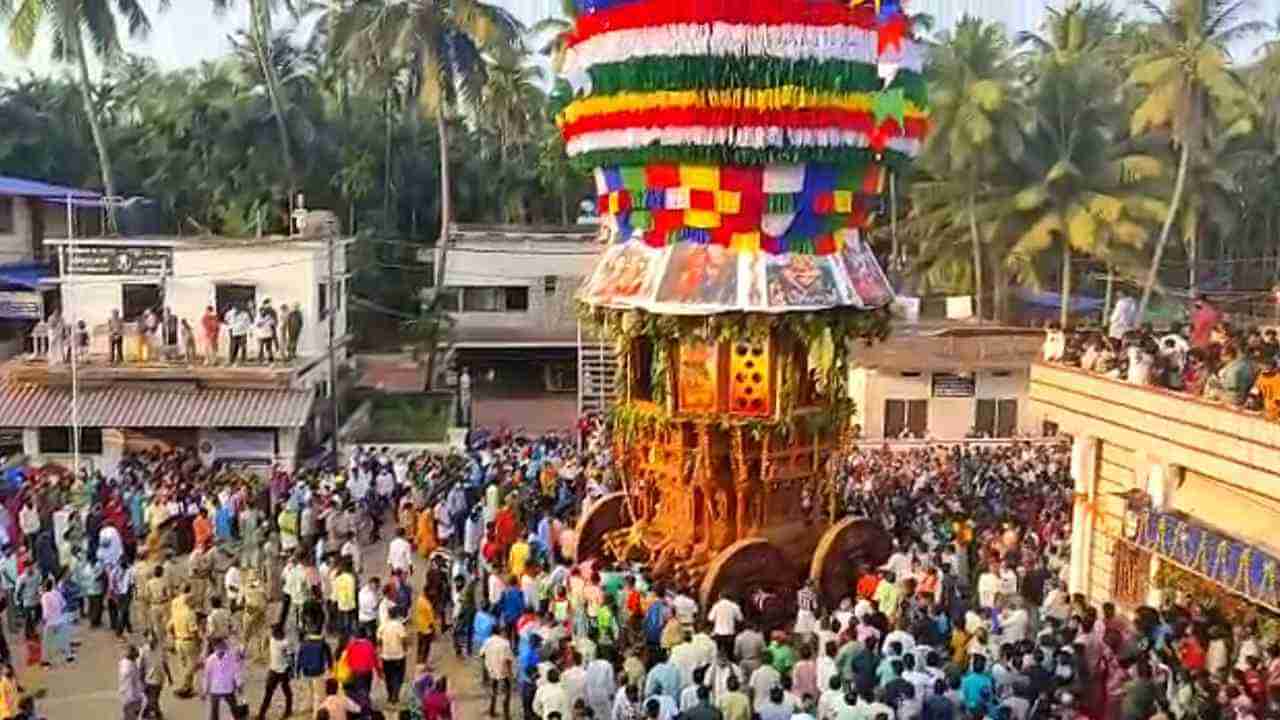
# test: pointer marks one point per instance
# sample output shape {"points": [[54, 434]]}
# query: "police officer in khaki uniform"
{"points": [[184, 628], [200, 575], [158, 596], [254, 628]]}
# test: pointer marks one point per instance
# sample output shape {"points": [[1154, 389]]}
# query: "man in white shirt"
{"points": [[233, 586], [686, 610], [831, 701], [29, 521], [1014, 622], [551, 697], [400, 553], [574, 679], [725, 615], [498, 662], [600, 687], [367, 606], [988, 588]]}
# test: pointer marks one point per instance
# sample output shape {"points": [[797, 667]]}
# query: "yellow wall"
{"points": [[1214, 463]]}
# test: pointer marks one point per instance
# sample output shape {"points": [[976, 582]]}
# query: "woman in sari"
{"points": [[426, 535]]}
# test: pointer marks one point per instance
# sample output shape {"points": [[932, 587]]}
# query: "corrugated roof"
{"points": [[22, 187], [122, 406]]}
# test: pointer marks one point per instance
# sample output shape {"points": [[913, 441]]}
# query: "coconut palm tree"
{"points": [[512, 101], [445, 43], [1083, 189], [1190, 90], [1074, 30], [557, 31], [70, 21], [976, 115], [262, 42]]}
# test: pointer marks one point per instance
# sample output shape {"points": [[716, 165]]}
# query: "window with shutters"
{"points": [[996, 418], [902, 416]]}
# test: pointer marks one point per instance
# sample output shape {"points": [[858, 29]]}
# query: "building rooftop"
{"points": [[99, 372], [199, 242], [953, 347], [22, 187], [141, 406], [509, 233]]}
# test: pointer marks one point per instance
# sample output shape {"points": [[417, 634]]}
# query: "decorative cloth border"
{"points": [[809, 108], [624, 16], [696, 72], [738, 137], [779, 208], [1242, 568], [746, 42]]}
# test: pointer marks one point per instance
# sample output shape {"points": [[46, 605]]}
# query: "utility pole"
{"points": [[334, 296]]}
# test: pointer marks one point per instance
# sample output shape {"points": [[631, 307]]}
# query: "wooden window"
{"points": [[996, 418], [903, 415]]}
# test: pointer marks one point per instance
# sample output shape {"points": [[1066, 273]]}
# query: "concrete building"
{"points": [[256, 413], [1166, 485], [30, 211], [946, 382], [511, 291]]}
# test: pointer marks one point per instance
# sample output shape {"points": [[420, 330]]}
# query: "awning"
{"points": [[150, 407], [22, 187], [27, 275]]}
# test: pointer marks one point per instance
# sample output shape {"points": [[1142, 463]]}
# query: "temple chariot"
{"points": [[740, 150]]}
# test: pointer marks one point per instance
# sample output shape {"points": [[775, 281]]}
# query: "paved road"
{"points": [[87, 690]]}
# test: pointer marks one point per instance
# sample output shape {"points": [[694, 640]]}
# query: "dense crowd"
{"points": [[969, 617], [1209, 357]]}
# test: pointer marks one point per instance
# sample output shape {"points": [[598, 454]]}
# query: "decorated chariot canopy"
{"points": [[740, 148]]}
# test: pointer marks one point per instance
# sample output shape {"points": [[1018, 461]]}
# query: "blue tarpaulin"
{"points": [[1080, 304], [27, 275], [22, 187]]}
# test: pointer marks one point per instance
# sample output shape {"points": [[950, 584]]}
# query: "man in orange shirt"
{"points": [[202, 526], [1266, 388]]}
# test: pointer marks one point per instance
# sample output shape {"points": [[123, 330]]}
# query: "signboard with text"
{"points": [[21, 305], [946, 385], [118, 260]]}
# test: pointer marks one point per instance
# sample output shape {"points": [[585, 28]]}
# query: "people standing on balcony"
{"points": [[240, 322], [82, 341], [1204, 318], [1124, 318], [292, 330], [150, 335], [40, 339], [56, 338], [188, 335], [169, 333], [265, 331], [115, 336], [210, 328]]}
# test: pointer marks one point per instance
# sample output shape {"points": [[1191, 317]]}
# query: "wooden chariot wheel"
{"points": [[845, 547]]}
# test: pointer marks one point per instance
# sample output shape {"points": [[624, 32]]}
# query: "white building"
{"points": [[946, 383], [252, 413]]}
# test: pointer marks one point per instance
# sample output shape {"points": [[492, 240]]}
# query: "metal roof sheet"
{"points": [[122, 406], [22, 187]]}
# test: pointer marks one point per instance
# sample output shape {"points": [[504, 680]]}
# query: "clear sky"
{"points": [[190, 32]]}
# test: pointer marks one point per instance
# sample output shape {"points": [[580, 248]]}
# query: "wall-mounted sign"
{"points": [[21, 305], [946, 385], [118, 260]]}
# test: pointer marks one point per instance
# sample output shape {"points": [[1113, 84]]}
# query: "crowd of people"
{"points": [[208, 574], [162, 335], [1208, 357]]}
